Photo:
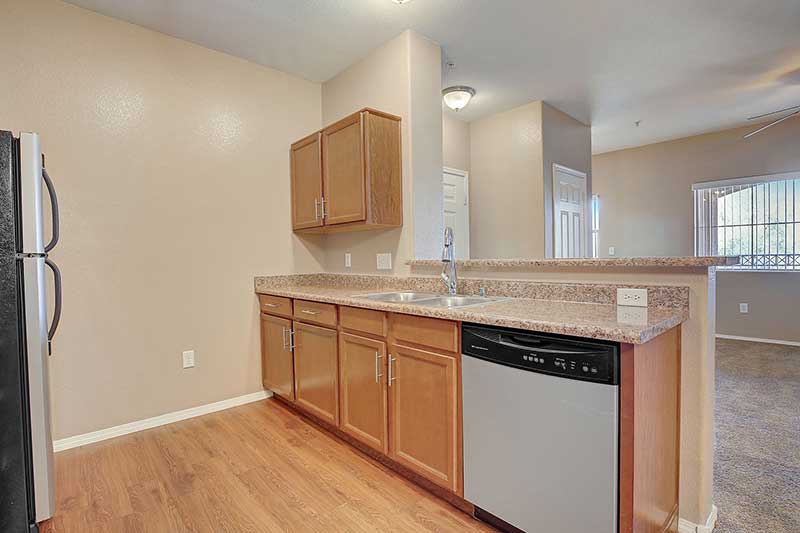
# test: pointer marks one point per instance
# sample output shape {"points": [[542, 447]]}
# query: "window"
{"points": [[595, 223], [755, 218]]}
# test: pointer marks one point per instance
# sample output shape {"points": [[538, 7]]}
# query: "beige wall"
{"points": [[383, 80], [646, 208], [455, 142], [772, 298], [566, 142], [511, 155], [506, 184], [171, 166]]}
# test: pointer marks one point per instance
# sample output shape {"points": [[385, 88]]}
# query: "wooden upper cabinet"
{"points": [[362, 378], [306, 171], [359, 184], [277, 366], [316, 371], [423, 410], [343, 171]]}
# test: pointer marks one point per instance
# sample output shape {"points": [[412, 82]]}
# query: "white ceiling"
{"points": [[682, 67]]}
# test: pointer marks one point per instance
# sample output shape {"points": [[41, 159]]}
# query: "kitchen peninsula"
{"points": [[330, 328]]}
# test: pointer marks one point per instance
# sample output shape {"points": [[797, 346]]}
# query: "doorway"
{"points": [[569, 212], [455, 187]]}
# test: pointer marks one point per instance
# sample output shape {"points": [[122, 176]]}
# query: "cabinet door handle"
{"points": [[283, 335], [324, 215], [291, 340], [271, 305], [392, 377], [378, 373], [309, 312], [316, 208]]}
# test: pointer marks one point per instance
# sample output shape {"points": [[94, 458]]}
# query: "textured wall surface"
{"points": [[171, 165], [399, 77]]}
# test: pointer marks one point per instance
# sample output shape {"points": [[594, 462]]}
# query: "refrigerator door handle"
{"points": [[51, 191], [57, 311]]}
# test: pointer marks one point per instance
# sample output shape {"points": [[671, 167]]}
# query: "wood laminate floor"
{"points": [[254, 468]]}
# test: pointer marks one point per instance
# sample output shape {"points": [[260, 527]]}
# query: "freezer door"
{"points": [[38, 385], [30, 186]]}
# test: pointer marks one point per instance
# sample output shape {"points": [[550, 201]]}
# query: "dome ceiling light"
{"points": [[458, 96]]}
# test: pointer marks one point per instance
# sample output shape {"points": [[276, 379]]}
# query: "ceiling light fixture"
{"points": [[458, 96], [401, 2]]}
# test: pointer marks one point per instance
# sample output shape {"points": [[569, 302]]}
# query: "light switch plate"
{"points": [[384, 261], [188, 359], [632, 297], [744, 308], [348, 260], [611, 251]]}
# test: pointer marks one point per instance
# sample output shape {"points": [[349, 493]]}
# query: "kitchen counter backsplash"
{"points": [[600, 293]]}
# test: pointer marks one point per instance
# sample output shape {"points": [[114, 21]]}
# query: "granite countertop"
{"points": [[590, 320], [607, 262]]}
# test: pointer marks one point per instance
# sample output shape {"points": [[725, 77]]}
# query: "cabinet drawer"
{"points": [[275, 305], [431, 332], [315, 312], [363, 320]]}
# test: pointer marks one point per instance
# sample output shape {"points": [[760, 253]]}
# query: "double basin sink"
{"points": [[428, 299]]}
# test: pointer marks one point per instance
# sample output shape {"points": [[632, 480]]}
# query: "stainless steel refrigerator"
{"points": [[26, 447]]}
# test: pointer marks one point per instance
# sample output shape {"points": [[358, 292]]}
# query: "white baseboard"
{"points": [[756, 339], [684, 526], [161, 420]]}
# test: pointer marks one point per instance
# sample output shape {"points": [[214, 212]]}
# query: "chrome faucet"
{"points": [[449, 276]]}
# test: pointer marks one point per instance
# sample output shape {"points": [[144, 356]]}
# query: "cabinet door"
{"points": [[277, 367], [343, 174], [306, 160], [316, 371], [423, 414], [362, 375]]}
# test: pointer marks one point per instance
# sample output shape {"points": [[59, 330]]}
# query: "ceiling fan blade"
{"points": [[762, 128], [774, 112]]}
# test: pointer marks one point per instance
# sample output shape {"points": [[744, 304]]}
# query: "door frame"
{"points": [[554, 204], [464, 174]]}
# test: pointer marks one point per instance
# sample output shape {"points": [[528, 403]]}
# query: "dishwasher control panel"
{"points": [[583, 359]]}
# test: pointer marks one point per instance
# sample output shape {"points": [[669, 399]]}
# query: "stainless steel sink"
{"points": [[428, 299], [396, 297], [459, 301]]}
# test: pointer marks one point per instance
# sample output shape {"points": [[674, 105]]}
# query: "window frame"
{"points": [[594, 212], [760, 219]]}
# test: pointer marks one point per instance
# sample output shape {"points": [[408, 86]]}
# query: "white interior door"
{"points": [[455, 184], [569, 212]]}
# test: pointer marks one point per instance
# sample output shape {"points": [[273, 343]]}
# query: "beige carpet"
{"points": [[757, 464]]}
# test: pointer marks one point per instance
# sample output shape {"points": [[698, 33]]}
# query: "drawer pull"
{"points": [[309, 312], [391, 374], [378, 373], [271, 305]]}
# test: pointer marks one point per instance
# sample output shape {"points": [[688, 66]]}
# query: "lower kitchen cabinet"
{"points": [[362, 378], [316, 374], [423, 411], [277, 365]]}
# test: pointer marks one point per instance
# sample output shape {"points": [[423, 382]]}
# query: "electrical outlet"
{"points": [[744, 308], [188, 359], [384, 261], [611, 251], [348, 260], [632, 315], [632, 297]]}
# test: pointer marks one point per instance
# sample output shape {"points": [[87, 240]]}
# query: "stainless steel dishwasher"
{"points": [[541, 426]]}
